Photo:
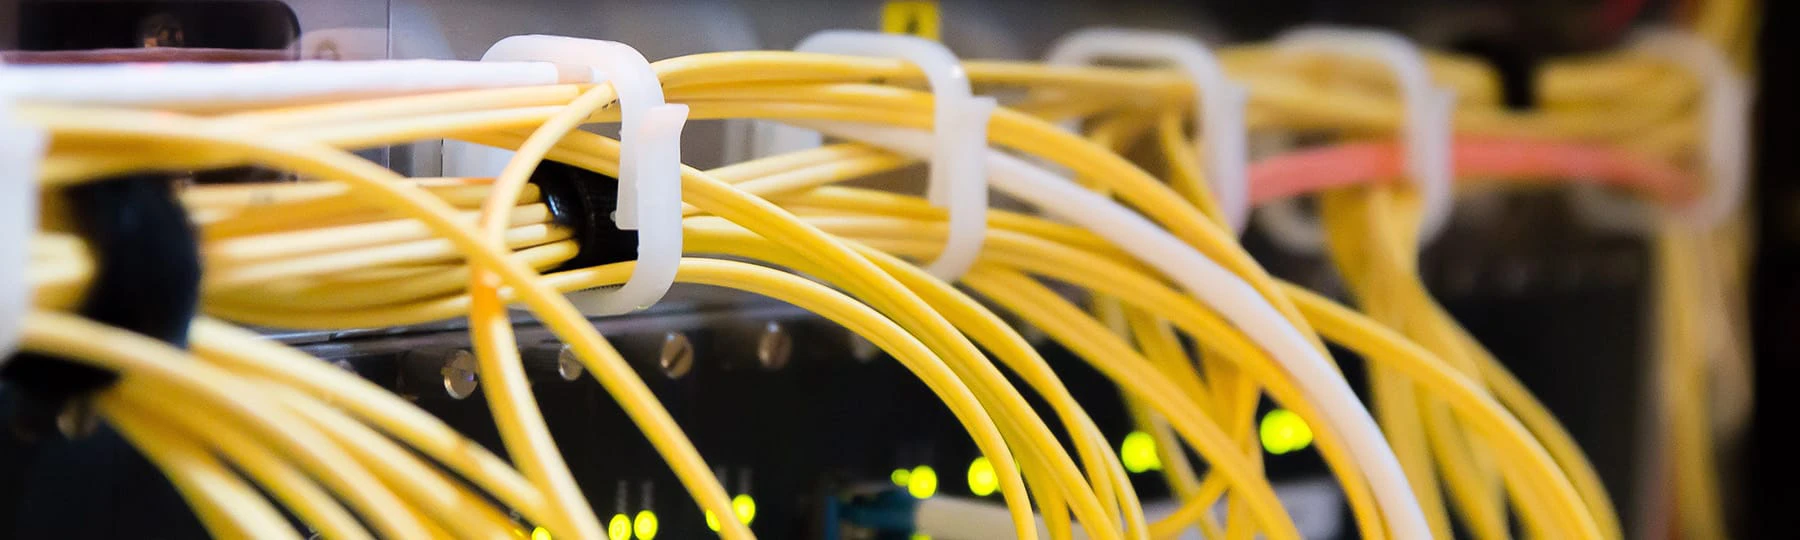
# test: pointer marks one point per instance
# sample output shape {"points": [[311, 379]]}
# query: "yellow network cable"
{"points": [[379, 249], [1101, 276], [157, 372], [1381, 274], [247, 354], [1680, 376], [1084, 511], [521, 423], [366, 177], [226, 506], [1178, 211], [441, 315], [291, 487]]}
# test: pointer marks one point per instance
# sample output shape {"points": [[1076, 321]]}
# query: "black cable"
{"points": [[146, 280], [583, 201]]}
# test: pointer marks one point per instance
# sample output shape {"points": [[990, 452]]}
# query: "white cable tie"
{"points": [[649, 161], [1429, 129], [958, 175], [1725, 130], [21, 150], [221, 87], [1220, 114]]}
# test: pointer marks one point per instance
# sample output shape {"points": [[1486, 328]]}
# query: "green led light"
{"points": [[619, 528], [645, 525], [712, 521], [745, 508], [900, 476], [922, 482], [540, 533], [1282, 431], [921, 536], [1138, 453], [982, 480]]}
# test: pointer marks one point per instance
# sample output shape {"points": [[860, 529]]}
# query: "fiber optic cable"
{"points": [[826, 88]]}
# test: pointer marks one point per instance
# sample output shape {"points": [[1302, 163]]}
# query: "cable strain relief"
{"points": [[584, 201], [146, 280]]}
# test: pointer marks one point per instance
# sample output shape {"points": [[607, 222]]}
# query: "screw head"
{"points": [[460, 374], [78, 419], [863, 350], [568, 365], [775, 347], [676, 357]]}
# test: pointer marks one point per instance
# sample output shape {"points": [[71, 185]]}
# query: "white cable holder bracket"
{"points": [[1725, 128], [649, 160], [958, 179], [1219, 113], [1428, 128], [22, 146]]}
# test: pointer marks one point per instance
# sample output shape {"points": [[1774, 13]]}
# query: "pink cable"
{"points": [[1477, 159]]}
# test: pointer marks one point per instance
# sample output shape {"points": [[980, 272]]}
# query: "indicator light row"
{"points": [[1281, 432]]}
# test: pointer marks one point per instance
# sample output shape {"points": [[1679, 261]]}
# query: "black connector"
{"points": [[584, 201], [146, 280]]}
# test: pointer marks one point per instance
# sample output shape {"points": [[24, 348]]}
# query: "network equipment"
{"points": [[421, 269]]}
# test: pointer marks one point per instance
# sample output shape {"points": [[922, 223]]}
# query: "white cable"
{"points": [[21, 149], [1428, 129], [1725, 129], [957, 181], [209, 87], [649, 161], [1220, 110], [1225, 292]]}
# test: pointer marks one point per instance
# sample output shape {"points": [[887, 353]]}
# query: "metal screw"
{"points": [[774, 347], [863, 350], [676, 356], [78, 419], [567, 364], [460, 374]]}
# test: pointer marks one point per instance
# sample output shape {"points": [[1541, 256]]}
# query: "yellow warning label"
{"points": [[911, 17]]}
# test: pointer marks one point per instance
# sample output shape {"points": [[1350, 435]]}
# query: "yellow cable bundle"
{"points": [[366, 247]]}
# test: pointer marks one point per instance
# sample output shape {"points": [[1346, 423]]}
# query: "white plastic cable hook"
{"points": [[21, 149], [649, 160], [1428, 129], [958, 177], [1219, 114], [1725, 131]]}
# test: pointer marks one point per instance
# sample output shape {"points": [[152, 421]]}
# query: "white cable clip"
{"points": [[958, 181], [1725, 131], [1429, 131], [649, 160], [1220, 113], [21, 149]]}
